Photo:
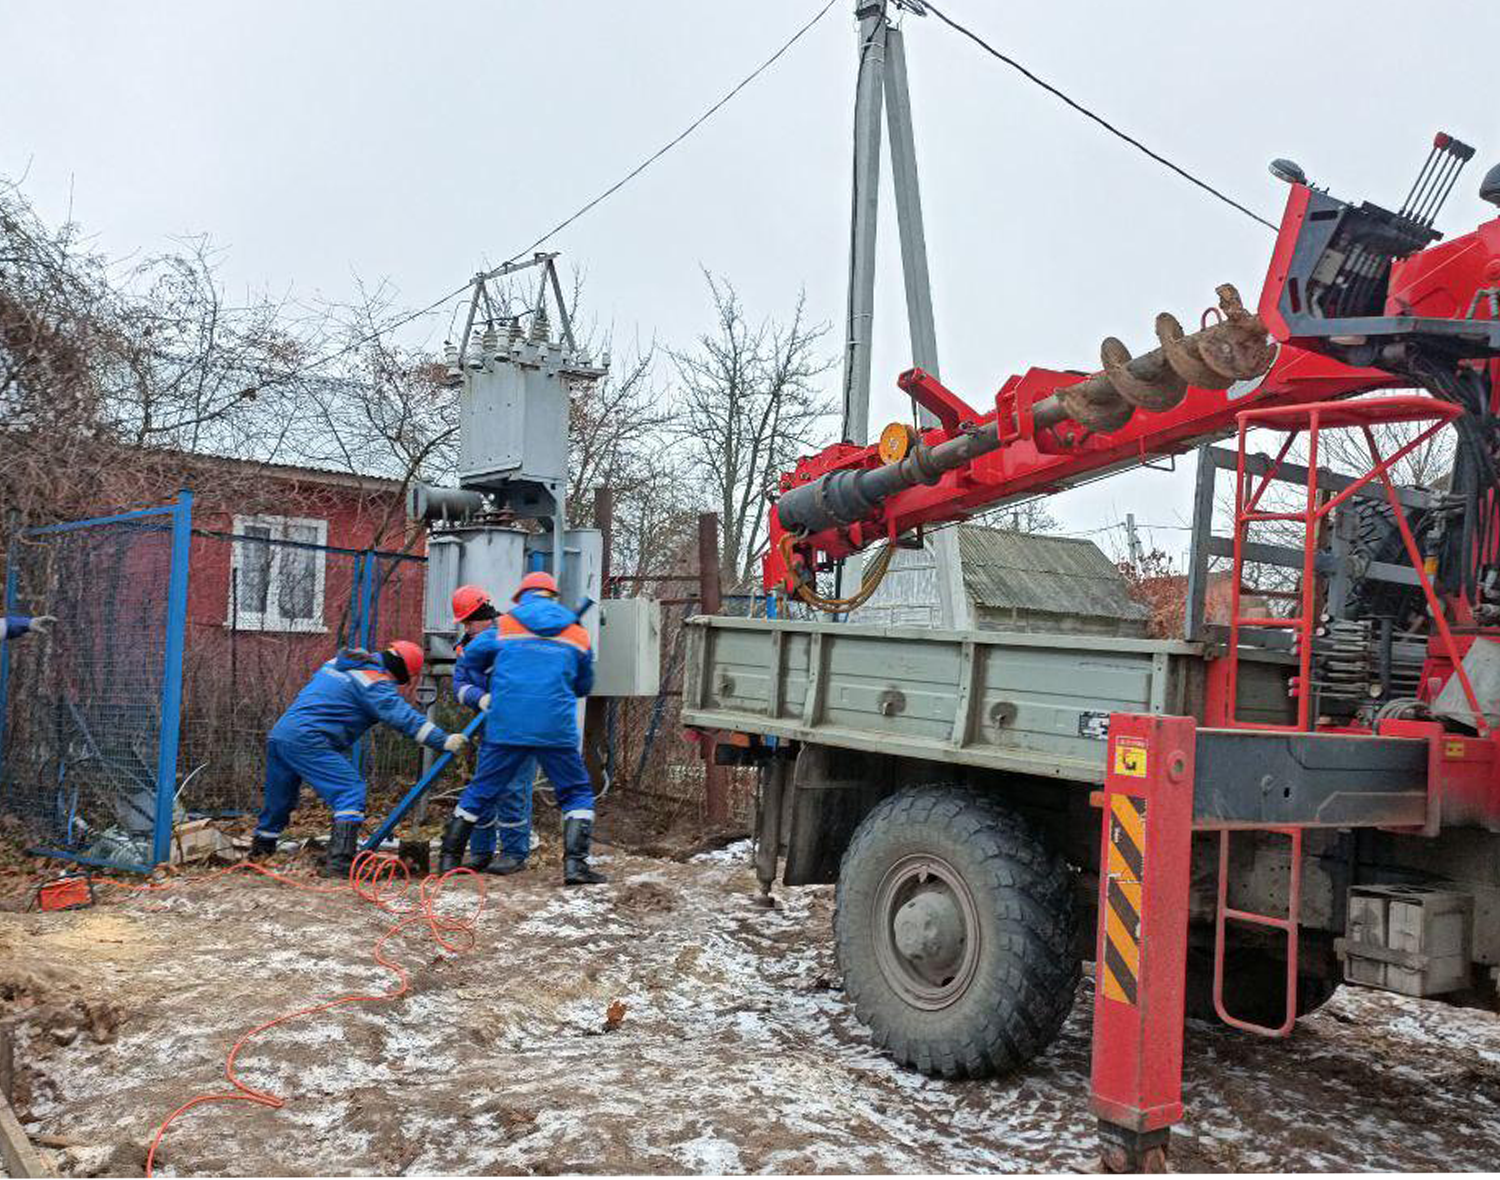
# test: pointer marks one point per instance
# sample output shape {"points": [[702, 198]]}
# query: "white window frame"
{"points": [[270, 619]]}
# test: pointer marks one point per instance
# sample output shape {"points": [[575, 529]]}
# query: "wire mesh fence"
{"points": [[267, 611], [175, 652], [89, 714]]}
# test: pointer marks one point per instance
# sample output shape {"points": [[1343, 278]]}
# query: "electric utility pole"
{"points": [[882, 84]]}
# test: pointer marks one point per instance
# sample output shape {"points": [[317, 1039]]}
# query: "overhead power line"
{"points": [[1088, 114], [688, 130], [408, 317]]}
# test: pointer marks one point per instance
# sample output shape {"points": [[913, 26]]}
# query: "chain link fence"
{"points": [[175, 652], [90, 712], [267, 610], [647, 755]]}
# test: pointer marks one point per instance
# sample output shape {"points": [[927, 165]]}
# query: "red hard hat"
{"points": [[467, 600], [409, 654], [540, 580]]}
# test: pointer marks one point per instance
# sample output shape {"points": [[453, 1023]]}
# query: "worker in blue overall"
{"points": [[18, 625], [541, 663], [508, 821], [346, 697]]}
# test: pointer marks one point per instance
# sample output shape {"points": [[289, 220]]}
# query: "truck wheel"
{"points": [[954, 927]]}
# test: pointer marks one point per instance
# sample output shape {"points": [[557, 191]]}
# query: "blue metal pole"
{"points": [[10, 605], [351, 630], [408, 801], [373, 614], [171, 685], [362, 638], [366, 606], [70, 526]]}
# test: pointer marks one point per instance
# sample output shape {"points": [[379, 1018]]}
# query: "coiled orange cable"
{"points": [[385, 882]]}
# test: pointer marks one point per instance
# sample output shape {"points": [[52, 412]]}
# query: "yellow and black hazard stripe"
{"points": [[1120, 972]]}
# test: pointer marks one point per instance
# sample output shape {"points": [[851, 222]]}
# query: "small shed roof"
{"points": [[1033, 571]]}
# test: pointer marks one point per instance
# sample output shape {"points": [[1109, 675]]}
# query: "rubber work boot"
{"points": [[577, 834], [455, 840], [342, 846], [506, 865], [261, 847], [479, 862]]}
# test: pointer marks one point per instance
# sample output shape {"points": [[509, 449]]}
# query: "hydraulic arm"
{"points": [[1356, 299]]}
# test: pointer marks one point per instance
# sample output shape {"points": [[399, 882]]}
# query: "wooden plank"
{"points": [[7, 1061], [21, 1159]]}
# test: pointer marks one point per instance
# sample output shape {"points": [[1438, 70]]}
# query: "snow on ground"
{"points": [[736, 1053]]}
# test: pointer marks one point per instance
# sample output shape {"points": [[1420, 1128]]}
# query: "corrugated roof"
{"points": [[1033, 571]]}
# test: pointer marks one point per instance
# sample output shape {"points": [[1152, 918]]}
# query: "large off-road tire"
{"points": [[1377, 538], [954, 929]]}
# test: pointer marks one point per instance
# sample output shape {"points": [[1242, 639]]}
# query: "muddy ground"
{"points": [[736, 1053]]}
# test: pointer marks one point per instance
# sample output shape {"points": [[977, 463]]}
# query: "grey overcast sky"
{"points": [[320, 142]]}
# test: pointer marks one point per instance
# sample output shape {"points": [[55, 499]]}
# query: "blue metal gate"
{"points": [[90, 716]]}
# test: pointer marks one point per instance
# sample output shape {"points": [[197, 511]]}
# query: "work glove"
{"points": [[484, 703], [41, 624], [455, 743]]}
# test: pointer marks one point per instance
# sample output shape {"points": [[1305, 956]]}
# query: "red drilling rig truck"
{"points": [[1236, 821]]}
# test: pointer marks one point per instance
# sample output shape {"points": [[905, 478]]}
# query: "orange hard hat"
{"points": [[539, 580], [409, 654], [467, 600]]}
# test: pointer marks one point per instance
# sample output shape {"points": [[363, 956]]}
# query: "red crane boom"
{"points": [[1356, 299]]}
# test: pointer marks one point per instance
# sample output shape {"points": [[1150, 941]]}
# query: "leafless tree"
{"points": [[748, 404], [95, 361], [1028, 516]]}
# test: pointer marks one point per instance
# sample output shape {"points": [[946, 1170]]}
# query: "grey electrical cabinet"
{"points": [[490, 557], [629, 663]]}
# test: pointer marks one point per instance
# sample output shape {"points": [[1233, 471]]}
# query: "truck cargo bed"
{"points": [[1027, 703]]}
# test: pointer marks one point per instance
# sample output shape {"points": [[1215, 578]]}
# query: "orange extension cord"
{"points": [[385, 882]]}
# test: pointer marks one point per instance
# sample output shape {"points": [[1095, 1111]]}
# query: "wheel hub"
{"points": [[927, 931]]}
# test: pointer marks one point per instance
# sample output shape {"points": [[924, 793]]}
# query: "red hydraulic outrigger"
{"points": [[1356, 300]]}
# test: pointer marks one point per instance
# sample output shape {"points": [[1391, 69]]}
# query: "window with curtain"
{"points": [[277, 574]]}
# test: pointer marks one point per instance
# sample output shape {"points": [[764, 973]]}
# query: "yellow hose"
{"points": [[805, 592]]}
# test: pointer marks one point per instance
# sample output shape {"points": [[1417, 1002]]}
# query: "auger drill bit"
{"points": [[1236, 348]]}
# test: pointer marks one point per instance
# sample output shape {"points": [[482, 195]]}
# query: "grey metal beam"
{"points": [[909, 224], [1327, 480], [1247, 779], [1264, 553], [953, 597], [1203, 529], [865, 203]]}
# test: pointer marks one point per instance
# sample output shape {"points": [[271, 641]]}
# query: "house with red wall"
{"points": [[281, 555], [288, 564]]}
